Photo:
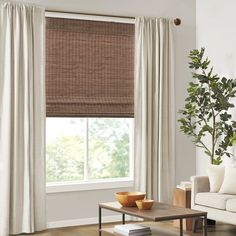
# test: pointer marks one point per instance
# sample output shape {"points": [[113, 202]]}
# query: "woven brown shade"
{"points": [[89, 68]]}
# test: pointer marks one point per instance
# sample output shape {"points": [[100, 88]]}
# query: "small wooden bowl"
{"points": [[144, 204], [128, 199]]}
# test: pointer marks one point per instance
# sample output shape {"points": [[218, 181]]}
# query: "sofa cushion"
{"points": [[231, 205], [214, 200]]}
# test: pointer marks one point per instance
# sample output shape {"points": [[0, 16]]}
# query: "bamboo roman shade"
{"points": [[89, 68]]}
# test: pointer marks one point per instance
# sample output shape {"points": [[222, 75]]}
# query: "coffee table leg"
{"points": [[181, 227], [205, 225], [100, 220], [123, 219]]}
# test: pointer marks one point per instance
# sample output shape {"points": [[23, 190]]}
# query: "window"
{"points": [[83, 149], [89, 100]]}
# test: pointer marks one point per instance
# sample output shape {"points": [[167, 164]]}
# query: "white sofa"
{"points": [[220, 207]]}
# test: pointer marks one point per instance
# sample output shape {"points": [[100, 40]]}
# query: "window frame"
{"points": [[57, 187], [86, 184]]}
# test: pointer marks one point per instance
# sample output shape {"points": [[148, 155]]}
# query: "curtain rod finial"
{"points": [[177, 21]]}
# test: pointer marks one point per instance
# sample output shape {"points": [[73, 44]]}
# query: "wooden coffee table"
{"points": [[159, 212]]}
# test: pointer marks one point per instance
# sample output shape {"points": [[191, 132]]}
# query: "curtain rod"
{"points": [[177, 21]]}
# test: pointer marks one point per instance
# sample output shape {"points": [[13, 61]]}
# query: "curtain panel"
{"points": [[22, 119], [154, 109]]}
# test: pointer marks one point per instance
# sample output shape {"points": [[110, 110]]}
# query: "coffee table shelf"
{"points": [[159, 212]]}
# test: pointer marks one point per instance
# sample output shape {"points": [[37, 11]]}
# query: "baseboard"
{"points": [[85, 221]]}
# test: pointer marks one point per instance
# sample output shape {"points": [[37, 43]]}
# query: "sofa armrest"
{"points": [[199, 184]]}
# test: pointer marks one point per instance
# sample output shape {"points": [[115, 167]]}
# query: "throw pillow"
{"points": [[229, 183], [216, 177]]}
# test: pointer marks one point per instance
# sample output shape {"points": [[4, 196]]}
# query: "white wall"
{"points": [[216, 31], [76, 205], [71, 205]]}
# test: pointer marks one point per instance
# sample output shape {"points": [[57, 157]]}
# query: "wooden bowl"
{"points": [[128, 199], [144, 204]]}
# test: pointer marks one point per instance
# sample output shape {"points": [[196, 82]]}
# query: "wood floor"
{"points": [[163, 229]]}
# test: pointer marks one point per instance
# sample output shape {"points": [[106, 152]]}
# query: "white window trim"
{"points": [[89, 185]]}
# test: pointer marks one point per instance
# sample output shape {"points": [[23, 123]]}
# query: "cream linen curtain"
{"points": [[22, 119], [154, 109]]}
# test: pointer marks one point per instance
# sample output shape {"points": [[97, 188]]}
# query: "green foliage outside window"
{"points": [[108, 148], [65, 159]]}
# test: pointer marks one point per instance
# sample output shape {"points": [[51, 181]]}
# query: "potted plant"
{"points": [[206, 111]]}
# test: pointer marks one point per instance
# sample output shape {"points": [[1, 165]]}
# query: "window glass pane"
{"points": [[109, 147], [65, 149]]}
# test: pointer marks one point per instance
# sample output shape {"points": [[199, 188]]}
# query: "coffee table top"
{"points": [[159, 211]]}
